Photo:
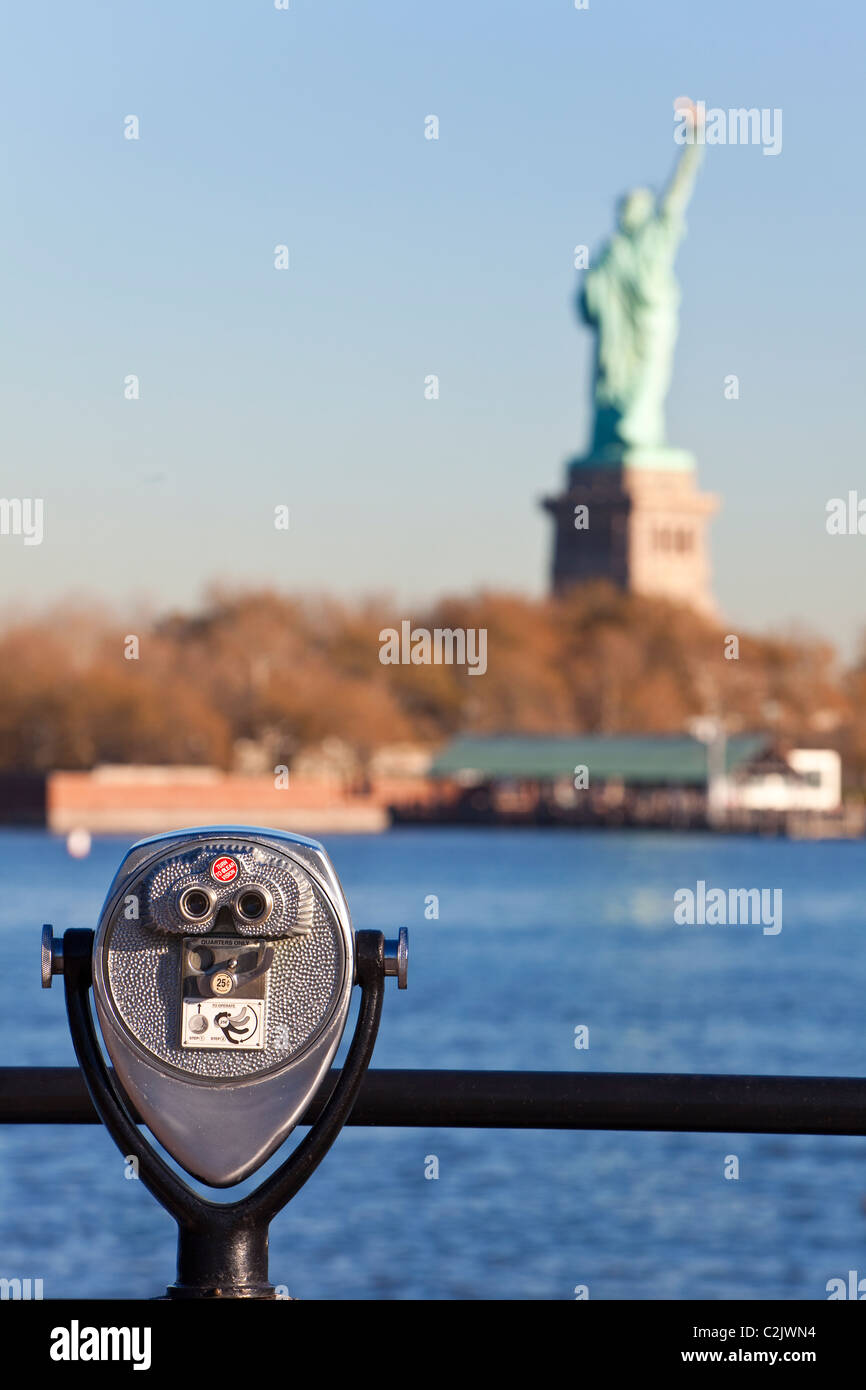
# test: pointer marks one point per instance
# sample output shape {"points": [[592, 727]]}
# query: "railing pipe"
{"points": [[653, 1101]]}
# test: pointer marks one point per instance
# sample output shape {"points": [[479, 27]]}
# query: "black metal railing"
{"points": [[652, 1101]]}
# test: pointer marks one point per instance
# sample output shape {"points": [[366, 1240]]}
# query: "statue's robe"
{"points": [[631, 298]]}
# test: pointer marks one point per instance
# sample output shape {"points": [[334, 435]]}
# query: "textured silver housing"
{"points": [[221, 1113], [142, 968]]}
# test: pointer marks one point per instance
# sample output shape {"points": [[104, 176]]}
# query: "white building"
{"points": [[808, 779]]}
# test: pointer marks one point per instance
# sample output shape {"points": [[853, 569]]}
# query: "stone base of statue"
{"points": [[636, 518]]}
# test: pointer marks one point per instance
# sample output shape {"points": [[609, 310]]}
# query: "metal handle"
{"points": [[52, 955], [397, 958]]}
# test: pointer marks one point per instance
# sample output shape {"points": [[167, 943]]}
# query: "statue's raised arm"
{"points": [[674, 201]]}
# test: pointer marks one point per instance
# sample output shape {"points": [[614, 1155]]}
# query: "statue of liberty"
{"points": [[631, 298]]}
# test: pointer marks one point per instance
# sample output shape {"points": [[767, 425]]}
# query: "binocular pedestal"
{"points": [[223, 1247]]}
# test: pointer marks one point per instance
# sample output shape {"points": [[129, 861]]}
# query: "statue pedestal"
{"points": [[643, 527], [618, 458]]}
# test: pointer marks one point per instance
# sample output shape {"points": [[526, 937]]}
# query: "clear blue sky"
{"points": [[411, 257]]}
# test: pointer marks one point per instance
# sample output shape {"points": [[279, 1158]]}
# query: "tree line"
{"points": [[287, 671]]}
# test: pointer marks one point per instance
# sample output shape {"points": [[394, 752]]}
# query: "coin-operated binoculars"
{"points": [[222, 971]]}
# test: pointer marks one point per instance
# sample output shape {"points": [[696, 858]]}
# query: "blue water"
{"points": [[537, 933]]}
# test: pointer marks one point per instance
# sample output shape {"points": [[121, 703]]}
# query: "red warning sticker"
{"points": [[224, 869]]}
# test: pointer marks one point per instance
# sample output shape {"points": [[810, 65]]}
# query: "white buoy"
{"points": [[78, 843]]}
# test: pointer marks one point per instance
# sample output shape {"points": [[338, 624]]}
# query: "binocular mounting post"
{"points": [[223, 1246]]}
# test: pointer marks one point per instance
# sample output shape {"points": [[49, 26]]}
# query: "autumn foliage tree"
{"points": [[289, 671]]}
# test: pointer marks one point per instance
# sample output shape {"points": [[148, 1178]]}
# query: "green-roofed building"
{"points": [[660, 760], [665, 780]]}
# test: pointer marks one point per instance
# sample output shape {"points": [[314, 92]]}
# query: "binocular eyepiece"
{"points": [[242, 883]]}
